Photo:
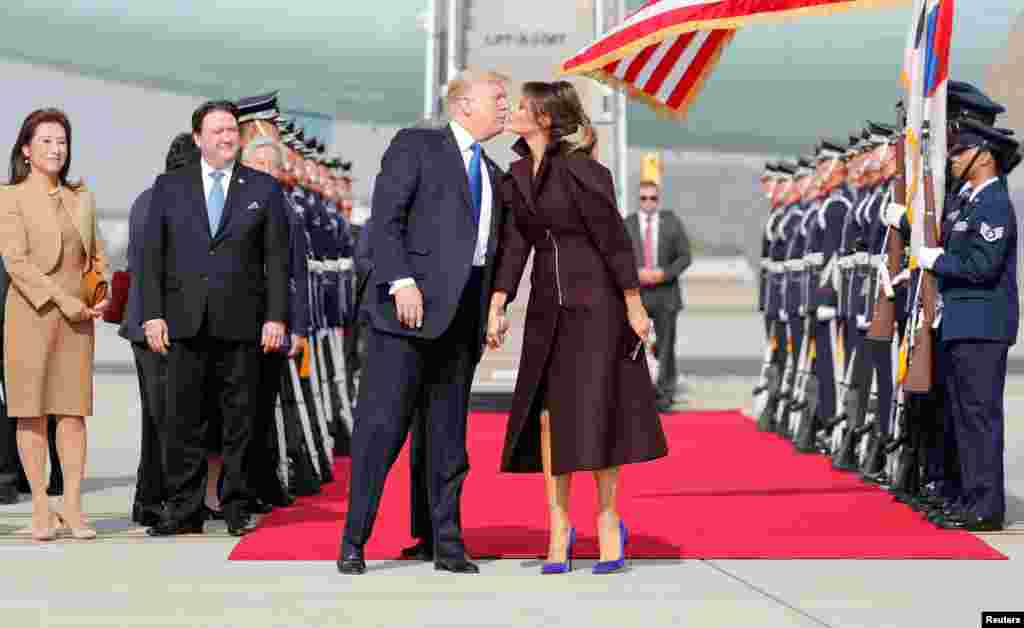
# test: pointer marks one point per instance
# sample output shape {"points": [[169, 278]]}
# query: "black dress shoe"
{"points": [[420, 551], [174, 528], [259, 507], [8, 494], [240, 526], [457, 565], [209, 514], [146, 516], [352, 563], [971, 523]]}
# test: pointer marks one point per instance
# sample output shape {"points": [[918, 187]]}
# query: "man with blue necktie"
{"points": [[216, 293], [436, 212]]}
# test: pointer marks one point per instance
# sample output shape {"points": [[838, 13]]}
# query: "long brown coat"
{"points": [[48, 241], [576, 358]]}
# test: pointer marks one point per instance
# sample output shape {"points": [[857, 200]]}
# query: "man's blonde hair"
{"points": [[460, 86]]}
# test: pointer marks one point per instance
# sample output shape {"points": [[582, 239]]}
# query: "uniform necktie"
{"points": [[215, 204], [648, 242], [476, 183]]}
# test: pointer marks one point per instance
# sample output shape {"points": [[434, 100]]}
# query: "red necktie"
{"points": [[648, 243]]}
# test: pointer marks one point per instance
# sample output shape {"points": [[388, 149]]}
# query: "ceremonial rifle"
{"points": [[883, 322], [919, 377]]}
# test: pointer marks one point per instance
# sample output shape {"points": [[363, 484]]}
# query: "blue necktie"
{"points": [[215, 204], [476, 183]]}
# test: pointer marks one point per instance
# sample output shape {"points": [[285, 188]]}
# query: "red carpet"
{"points": [[725, 491]]}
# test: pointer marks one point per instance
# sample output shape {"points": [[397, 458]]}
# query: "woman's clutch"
{"points": [[94, 287]]}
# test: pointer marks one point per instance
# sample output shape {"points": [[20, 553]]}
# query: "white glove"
{"points": [[893, 214], [826, 313], [783, 317], [904, 275], [927, 256], [802, 310], [862, 321]]}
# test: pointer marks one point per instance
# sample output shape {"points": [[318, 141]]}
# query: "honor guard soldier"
{"points": [[942, 490], [774, 301], [824, 257], [259, 134], [791, 258], [977, 272]]}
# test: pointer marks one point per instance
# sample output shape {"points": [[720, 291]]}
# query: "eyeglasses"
{"points": [[648, 198]]}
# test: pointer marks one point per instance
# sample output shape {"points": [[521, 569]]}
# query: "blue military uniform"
{"points": [[977, 273], [825, 256]]}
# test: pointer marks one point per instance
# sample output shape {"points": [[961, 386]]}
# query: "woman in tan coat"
{"points": [[48, 242]]}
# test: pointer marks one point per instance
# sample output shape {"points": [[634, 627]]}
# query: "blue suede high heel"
{"points": [[611, 566], [549, 569]]}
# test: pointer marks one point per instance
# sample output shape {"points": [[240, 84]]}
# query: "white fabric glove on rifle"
{"points": [[893, 214], [826, 313], [927, 256]]}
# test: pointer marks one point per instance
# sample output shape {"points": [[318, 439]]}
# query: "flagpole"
{"points": [[621, 120]]}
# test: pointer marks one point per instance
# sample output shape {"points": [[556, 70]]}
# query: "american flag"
{"points": [[664, 52]]}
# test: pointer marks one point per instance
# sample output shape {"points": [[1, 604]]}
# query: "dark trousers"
{"points": [[665, 320], [975, 383], [824, 369], [401, 371], [261, 461], [420, 526], [227, 371], [151, 369]]}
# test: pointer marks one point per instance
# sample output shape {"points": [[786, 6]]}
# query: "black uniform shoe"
{"points": [[174, 528], [971, 523], [146, 515], [8, 494], [259, 507], [240, 525], [420, 551], [209, 514], [352, 562], [458, 565]]}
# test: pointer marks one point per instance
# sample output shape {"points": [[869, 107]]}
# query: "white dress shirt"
{"points": [[225, 182], [653, 219], [975, 193], [465, 142]]}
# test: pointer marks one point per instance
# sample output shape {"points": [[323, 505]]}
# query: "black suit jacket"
{"points": [[131, 326], [673, 257], [237, 279], [423, 228]]}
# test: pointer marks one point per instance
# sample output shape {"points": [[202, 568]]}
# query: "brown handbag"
{"points": [[94, 287]]}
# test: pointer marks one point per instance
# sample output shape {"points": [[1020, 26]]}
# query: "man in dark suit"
{"points": [[663, 253], [436, 211], [420, 527], [150, 367], [216, 291]]}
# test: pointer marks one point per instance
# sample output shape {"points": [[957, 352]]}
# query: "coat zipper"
{"points": [[558, 277]]}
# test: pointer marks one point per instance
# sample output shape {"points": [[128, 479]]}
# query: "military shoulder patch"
{"points": [[991, 234]]}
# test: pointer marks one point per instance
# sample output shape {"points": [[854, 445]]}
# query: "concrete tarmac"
{"points": [[127, 579]]}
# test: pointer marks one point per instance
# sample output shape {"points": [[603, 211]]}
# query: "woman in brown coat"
{"points": [[48, 242], [584, 400]]}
